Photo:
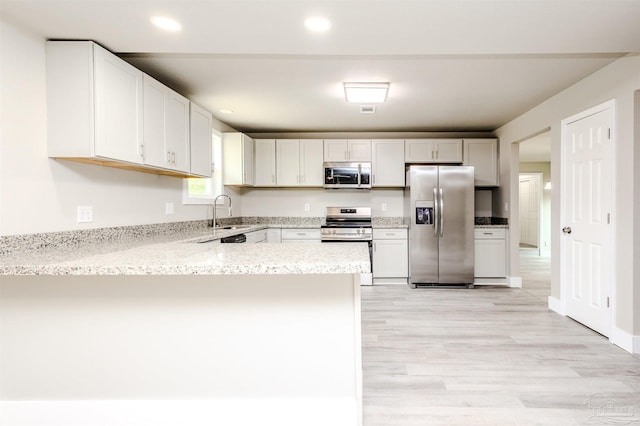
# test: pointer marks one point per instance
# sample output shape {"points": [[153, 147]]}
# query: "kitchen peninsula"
{"points": [[182, 332]]}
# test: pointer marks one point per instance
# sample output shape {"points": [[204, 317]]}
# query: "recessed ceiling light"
{"points": [[226, 111], [317, 24], [366, 93], [165, 23]]}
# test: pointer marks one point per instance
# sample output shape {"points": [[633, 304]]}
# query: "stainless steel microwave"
{"points": [[343, 175]]}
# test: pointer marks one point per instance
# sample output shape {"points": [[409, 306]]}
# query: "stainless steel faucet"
{"points": [[215, 202]]}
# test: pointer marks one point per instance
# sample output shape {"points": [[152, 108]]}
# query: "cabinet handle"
{"points": [[173, 157], [373, 177], [142, 151], [273, 178]]}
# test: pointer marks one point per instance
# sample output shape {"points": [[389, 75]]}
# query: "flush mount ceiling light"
{"points": [[317, 24], [165, 23], [366, 93], [226, 111]]}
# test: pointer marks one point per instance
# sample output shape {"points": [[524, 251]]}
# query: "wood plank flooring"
{"points": [[489, 356]]}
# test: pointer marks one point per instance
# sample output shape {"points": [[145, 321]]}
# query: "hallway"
{"points": [[489, 356]]}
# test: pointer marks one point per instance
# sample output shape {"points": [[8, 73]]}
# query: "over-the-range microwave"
{"points": [[346, 175]]}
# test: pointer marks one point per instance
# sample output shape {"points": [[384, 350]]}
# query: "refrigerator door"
{"points": [[456, 245], [423, 238]]}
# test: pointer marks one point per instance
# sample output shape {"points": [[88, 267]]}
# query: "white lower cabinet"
{"points": [[490, 253], [300, 235], [256, 236], [274, 235], [390, 256]]}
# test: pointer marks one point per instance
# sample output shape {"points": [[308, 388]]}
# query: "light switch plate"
{"points": [[384, 207], [307, 207], [85, 214], [168, 208]]}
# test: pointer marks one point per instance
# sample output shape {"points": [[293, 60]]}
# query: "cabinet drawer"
{"points": [[301, 234], [389, 234], [490, 233]]}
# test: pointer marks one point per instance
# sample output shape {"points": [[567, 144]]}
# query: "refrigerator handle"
{"points": [[436, 213], [441, 213]]}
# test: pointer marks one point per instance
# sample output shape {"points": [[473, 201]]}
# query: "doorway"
{"points": [[535, 214], [530, 210]]}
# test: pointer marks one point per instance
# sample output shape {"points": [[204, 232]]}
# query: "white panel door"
{"points": [[586, 201], [530, 209]]}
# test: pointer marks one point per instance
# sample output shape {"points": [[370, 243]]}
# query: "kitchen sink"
{"points": [[233, 227]]}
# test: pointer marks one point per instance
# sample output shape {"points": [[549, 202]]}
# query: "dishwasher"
{"points": [[240, 238]]}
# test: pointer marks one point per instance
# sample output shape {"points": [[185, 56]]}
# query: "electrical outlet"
{"points": [[506, 207], [85, 214], [384, 207], [168, 208], [307, 207]]}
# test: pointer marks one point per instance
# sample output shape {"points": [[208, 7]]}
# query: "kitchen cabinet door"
{"points": [[490, 253], [288, 162], [347, 150], [336, 150], [433, 151], [166, 127], [201, 158], [482, 154], [177, 132], [448, 150], [118, 107], [387, 157], [238, 159], [265, 161], [311, 170], [359, 150], [390, 256]]}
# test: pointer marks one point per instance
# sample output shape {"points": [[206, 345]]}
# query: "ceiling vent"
{"points": [[367, 109]]}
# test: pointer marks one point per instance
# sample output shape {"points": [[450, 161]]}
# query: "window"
{"points": [[203, 191]]}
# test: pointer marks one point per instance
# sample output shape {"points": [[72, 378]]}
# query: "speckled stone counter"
{"points": [[191, 257]]}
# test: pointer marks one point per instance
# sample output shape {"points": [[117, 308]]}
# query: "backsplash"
{"points": [[492, 221]]}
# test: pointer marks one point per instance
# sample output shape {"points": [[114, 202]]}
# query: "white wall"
{"points": [[38, 194], [617, 81], [291, 202]]}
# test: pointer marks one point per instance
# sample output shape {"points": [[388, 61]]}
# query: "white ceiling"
{"points": [[453, 65]]}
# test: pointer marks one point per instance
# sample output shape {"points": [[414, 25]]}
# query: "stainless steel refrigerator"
{"points": [[439, 205]]}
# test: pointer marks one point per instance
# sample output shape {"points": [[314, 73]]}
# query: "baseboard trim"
{"points": [[555, 305], [515, 282], [624, 340]]}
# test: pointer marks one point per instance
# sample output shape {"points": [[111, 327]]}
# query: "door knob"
{"points": [[566, 230]]}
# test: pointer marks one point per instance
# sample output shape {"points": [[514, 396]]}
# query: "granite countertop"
{"points": [[188, 257]]}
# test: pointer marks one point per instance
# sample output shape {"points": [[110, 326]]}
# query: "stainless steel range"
{"points": [[349, 225]]}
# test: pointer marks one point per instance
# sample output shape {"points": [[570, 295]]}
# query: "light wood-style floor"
{"points": [[489, 356]]}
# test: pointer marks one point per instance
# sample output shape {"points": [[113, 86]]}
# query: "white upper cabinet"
{"points": [[311, 170], [288, 162], [347, 150], [94, 104], [483, 155], [238, 164], [387, 162], [166, 127], [434, 151], [299, 162], [102, 110], [265, 161], [200, 141]]}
